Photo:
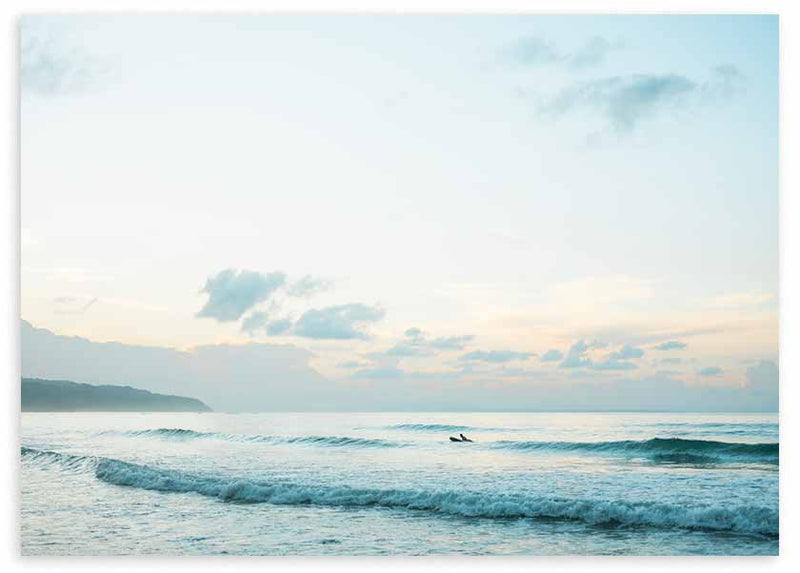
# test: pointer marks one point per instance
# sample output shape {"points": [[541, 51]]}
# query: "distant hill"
{"points": [[65, 396]]}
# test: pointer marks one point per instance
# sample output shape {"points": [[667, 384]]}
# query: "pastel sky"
{"points": [[495, 203]]}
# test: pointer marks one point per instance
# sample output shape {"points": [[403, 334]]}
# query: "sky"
{"points": [[524, 211]]}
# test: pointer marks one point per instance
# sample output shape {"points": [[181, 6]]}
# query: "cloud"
{"points": [[417, 343], [50, 66], [726, 81], [671, 345], [623, 101], [592, 53], [232, 293], [256, 321], [451, 342], [404, 349], [535, 51], [278, 327], [552, 355], [612, 365], [495, 356], [710, 371], [340, 322], [575, 357], [268, 377], [350, 364], [384, 373], [308, 286], [73, 305], [627, 352]]}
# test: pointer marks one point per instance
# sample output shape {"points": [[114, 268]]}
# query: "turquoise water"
{"points": [[393, 483]]}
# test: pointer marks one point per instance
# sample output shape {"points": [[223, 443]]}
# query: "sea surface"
{"points": [[393, 483]]}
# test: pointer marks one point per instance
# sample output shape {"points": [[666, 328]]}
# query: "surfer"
{"points": [[464, 438]]}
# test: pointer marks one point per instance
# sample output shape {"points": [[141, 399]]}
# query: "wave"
{"points": [[66, 462], [333, 441], [749, 519], [714, 428], [744, 425], [661, 448], [445, 428]]}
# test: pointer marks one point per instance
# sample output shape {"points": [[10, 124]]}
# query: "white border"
{"points": [[789, 276]]}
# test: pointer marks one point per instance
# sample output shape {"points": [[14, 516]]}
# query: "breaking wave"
{"points": [[333, 441], [675, 449], [749, 519]]}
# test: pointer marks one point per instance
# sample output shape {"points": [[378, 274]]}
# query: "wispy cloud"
{"points": [[623, 102], [671, 345], [308, 286], [49, 65], [726, 81], [416, 342], [451, 342], [592, 53], [73, 305], [536, 51], [495, 356], [533, 51]]}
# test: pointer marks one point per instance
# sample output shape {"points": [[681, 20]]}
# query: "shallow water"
{"points": [[392, 483]]}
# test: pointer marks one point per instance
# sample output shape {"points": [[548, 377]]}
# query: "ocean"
{"points": [[393, 483]]}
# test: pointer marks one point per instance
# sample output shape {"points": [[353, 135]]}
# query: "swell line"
{"points": [[332, 441]]}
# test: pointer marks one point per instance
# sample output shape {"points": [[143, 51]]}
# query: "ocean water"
{"points": [[393, 483]]}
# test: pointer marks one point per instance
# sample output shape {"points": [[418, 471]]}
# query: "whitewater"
{"points": [[393, 483]]}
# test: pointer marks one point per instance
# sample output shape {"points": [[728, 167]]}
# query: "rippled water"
{"points": [[393, 483]]}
